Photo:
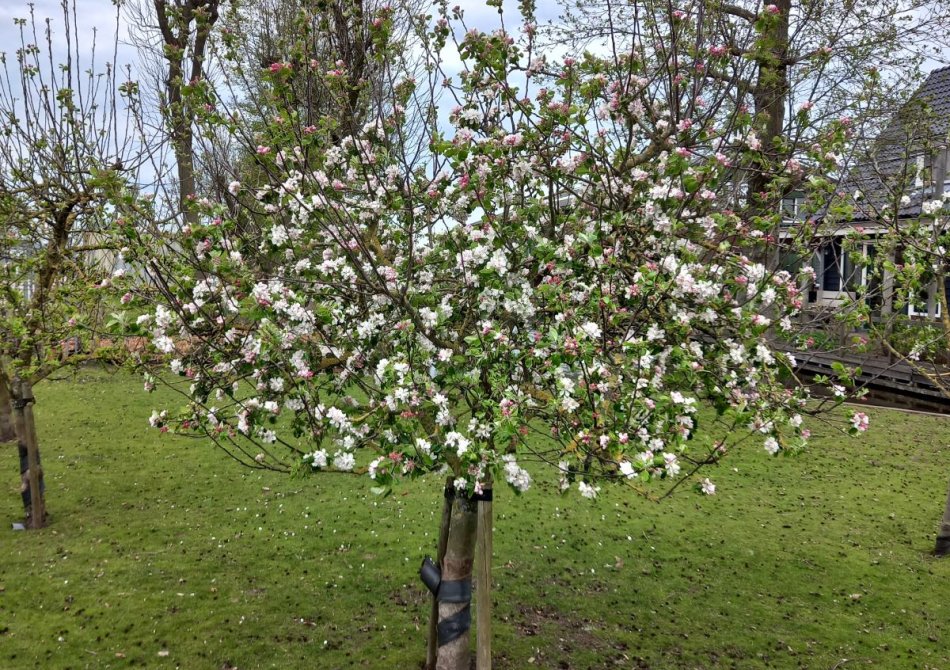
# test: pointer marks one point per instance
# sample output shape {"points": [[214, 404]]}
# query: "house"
{"points": [[902, 174]]}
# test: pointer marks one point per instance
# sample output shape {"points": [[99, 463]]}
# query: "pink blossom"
{"points": [[860, 421], [513, 140]]}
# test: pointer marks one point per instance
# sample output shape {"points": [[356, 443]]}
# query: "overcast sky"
{"points": [[90, 15], [100, 15]]}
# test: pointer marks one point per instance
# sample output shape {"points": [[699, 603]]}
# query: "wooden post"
{"points": [[887, 304], [943, 534], [932, 300], [26, 432], [432, 650], [483, 555]]}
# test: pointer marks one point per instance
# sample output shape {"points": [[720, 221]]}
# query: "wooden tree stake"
{"points": [[483, 583], [26, 433]]}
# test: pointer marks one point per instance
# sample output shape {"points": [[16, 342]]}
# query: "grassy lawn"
{"points": [[162, 553]]}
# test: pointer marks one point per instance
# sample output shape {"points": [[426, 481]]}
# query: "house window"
{"points": [[836, 273], [920, 306], [793, 208], [922, 174], [832, 266], [869, 251]]}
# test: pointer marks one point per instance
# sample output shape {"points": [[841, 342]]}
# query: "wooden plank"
{"points": [[483, 557], [869, 367]]}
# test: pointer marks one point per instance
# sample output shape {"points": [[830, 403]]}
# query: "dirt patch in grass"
{"points": [[566, 641]]}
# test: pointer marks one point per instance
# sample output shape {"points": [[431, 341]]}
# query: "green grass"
{"points": [[160, 544]]}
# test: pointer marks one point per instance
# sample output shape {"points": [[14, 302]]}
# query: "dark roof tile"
{"points": [[924, 119]]}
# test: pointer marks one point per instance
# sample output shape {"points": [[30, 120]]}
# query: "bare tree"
{"points": [[829, 59], [65, 160], [177, 34]]}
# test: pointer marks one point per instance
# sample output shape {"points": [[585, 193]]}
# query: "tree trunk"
{"points": [[455, 617], [175, 23], [770, 97], [943, 535], [185, 160], [33, 473], [432, 648], [7, 428]]}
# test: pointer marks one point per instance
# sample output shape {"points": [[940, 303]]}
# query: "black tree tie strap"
{"points": [[455, 626], [431, 575], [453, 591], [457, 591], [484, 496]]}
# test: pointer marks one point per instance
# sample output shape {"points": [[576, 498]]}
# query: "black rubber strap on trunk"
{"points": [[484, 496], [457, 591], [455, 626]]}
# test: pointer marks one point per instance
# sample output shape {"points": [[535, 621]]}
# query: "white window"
{"points": [[920, 307], [838, 275], [793, 208]]}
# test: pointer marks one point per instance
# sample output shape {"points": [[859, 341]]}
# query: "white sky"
{"points": [[100, 14], [90, 14]]}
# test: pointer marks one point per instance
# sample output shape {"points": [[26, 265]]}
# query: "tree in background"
{"points": [[65, 162], [307, 34], [180, 54], [173, 38], [822, 59]]}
